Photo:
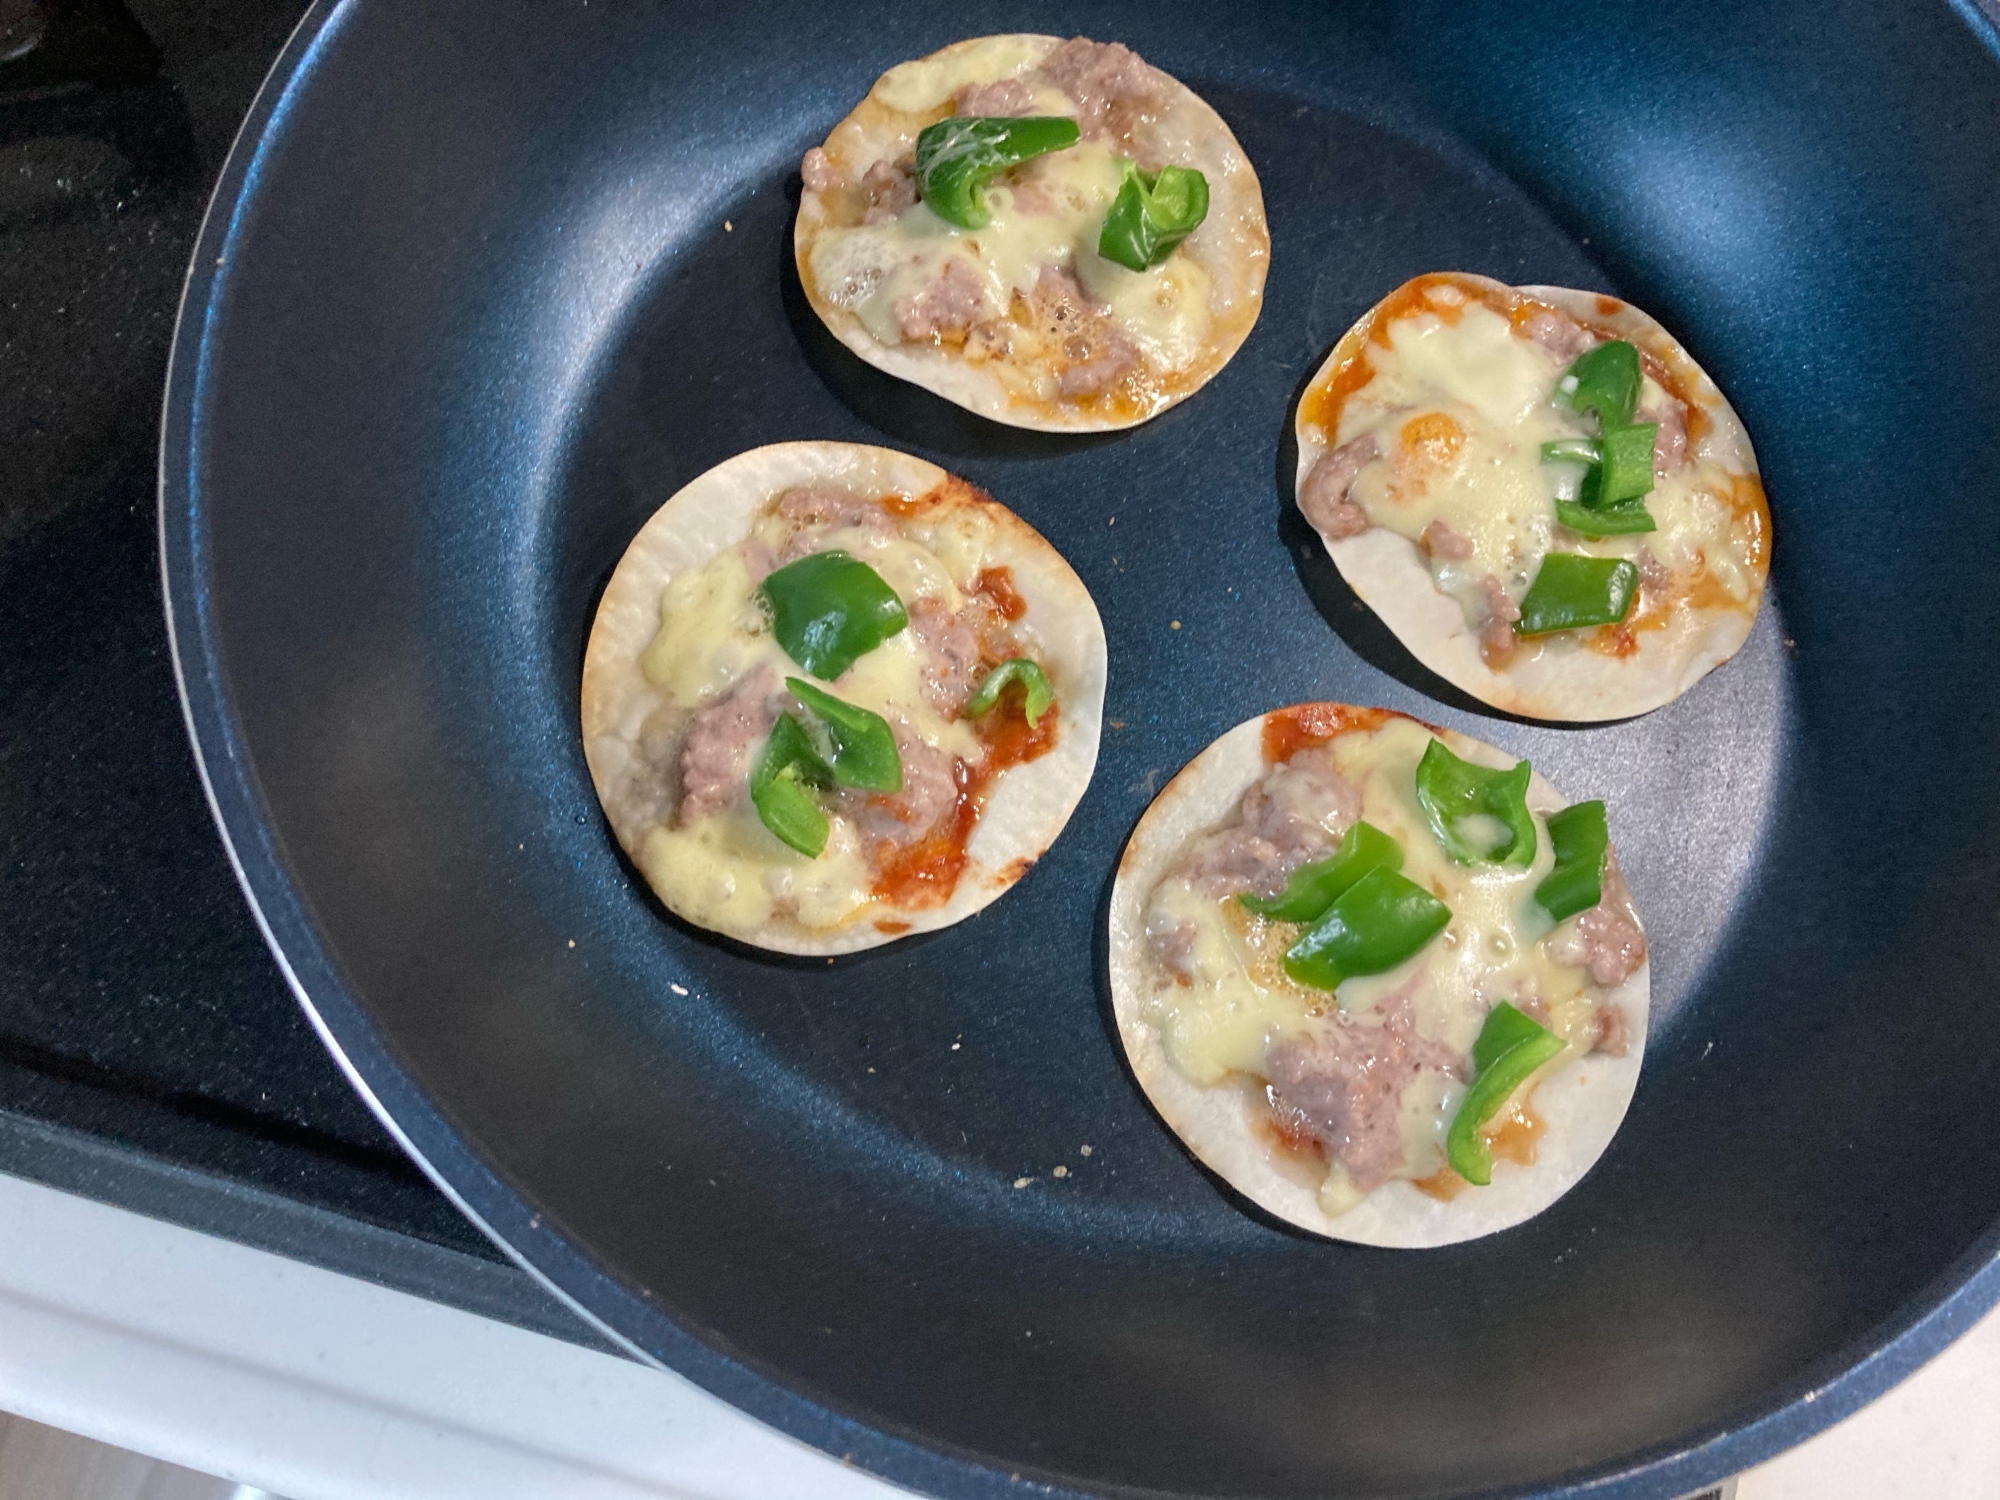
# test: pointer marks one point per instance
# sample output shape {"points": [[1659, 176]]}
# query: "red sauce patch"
{"points": [[1279, 1141], [1309, 725], [951, 491], [926, 873], [1608, 307], [1516, 1138], [996, 585], [892, 928], [1443, 1184]]}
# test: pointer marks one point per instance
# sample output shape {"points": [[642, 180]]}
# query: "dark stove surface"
{"points": [[150, 1053]]}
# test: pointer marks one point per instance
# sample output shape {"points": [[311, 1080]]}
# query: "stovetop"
{"points": [[150, 1052]]}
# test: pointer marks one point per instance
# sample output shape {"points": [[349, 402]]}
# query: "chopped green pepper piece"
{"points": [[1571, 590], [1453, 793], [1509, 1049], [864, 747], [1628, 463], [1604, 380], [778, 787], [1152, 214], [1612, 520], [1037, 697], [1380, 920], [827, 609], [1580, 839], [1573, 451], [1313, 888], [957, 157]]}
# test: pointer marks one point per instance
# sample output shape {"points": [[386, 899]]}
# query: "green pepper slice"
{"points": [[1509, 1049], [957, 157], [1627, 471], [1380, 920], [1313, 888], [1152, 213], [864, 747], [1571, 591], [1452, 791], [828, 609], [1580, 839], [778, 787], [1612, 520], [1037, 697], [1573, 451], [1604, 380]]}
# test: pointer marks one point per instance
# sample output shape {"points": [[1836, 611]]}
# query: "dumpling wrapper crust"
{"points": [[1026, 806], [1581, 1103], [1389, 574], [1233, 244]]}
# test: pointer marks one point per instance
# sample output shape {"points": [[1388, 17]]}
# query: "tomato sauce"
{"points": [[996, 586], [926, 873], [1306, 726]]}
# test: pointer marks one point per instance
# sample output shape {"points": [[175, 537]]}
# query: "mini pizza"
{"points": [[1378, 976], [1539, 492], [1052, 234], [833, 695]]}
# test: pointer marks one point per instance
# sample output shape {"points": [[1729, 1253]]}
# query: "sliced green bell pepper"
{"points": [[864, 747], [1627, 471], [1380, 920], [1313, 888], [828, 609], [1580, 839], [955, 159], [778, 787], [1571, 591], [1451, 791], [1509, 1049], [1604, 380], [1611, 520], [1037, 697], [1152, 213]]}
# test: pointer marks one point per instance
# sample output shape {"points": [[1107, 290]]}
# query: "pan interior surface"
{"points": [[485, 285]]}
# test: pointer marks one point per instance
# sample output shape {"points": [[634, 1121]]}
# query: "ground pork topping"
{"points": [[1006, 98], [1341, 1086], [1607, 939], [947, 308], [1296, 814], [1441, 541], [715, 762], [889, 188], [949, 647], [1112, 86], [819, 173], [929, 793], [1323, 497], [1095, 356]]}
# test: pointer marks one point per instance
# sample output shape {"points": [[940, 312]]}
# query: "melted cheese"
{"points": [[1240, 1000], [1489, 485], [1048, 212], [728, 871], [923, 85]]}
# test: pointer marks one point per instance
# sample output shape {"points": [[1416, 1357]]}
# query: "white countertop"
{"points": [[317, 1386]]}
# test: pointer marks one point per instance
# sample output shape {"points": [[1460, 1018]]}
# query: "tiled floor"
{"points": [[40, 1463]]}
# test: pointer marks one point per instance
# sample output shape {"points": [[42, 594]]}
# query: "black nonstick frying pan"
{"points": [[485, 281]]}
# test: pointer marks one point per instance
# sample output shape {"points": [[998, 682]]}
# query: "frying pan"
{"points": [[485, 281]]}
